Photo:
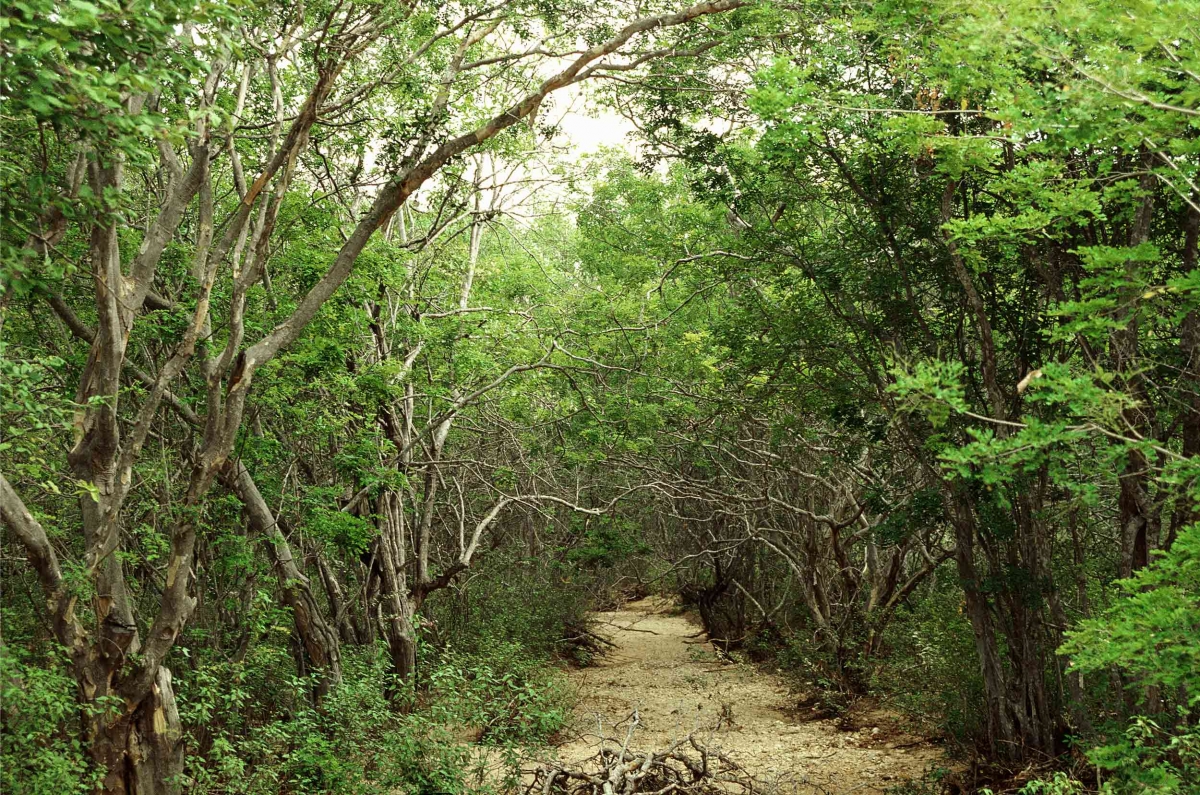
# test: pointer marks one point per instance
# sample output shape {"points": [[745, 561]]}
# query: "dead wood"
{"points": [[581, 644], [685, 766]]}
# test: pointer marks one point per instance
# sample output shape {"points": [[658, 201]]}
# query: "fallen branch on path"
{"points": [[587, 640], [685, 766], [581, 643], [630, 628]]}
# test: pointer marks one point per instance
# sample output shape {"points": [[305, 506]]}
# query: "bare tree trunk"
{"points": [[1186, 510], [398, 605], [1139, 515], [141, 752], [337, 602], [319, 640], [1001, 731]]}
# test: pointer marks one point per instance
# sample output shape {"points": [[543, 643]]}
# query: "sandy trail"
{"points": [[663, 668]]}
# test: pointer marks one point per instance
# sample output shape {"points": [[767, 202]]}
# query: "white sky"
{"points": [[589, 127]]}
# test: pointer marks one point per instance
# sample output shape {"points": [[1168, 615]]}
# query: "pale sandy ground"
{"points": [[663, 668]]}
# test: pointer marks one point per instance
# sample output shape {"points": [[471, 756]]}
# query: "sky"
{"points": [[589, 127]]}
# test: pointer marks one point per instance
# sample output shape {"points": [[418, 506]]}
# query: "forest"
{"points": [[365, 363]]}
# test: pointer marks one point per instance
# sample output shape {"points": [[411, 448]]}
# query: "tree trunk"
{"points": [[1189, 347], [320, 641], [1139, 515], [141, 752], [337, 602], [399, 608], [1001, 731], [402, 648]]}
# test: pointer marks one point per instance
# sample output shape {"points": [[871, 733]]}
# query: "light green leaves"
{"points": [[932, 387]]}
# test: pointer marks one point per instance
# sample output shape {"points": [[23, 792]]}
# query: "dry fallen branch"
{"points": [[685, 766], [578, 639]]}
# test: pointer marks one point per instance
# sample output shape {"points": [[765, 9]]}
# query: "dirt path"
{"points": [[664, 669]]}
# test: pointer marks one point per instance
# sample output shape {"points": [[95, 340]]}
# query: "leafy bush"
{"points": [[607, 543], [1151, 635], [358, 741], [526, 602], [930, 673], [40, 753], [510, 696], [817, 670], [422, 759]]}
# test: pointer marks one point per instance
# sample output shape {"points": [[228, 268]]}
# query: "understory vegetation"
{"points": [[338, 382]]}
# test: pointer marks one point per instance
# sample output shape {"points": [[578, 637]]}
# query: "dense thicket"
{"points": [[334, 394]]}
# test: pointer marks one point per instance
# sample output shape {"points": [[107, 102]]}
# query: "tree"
{"points": [[187, 140]]}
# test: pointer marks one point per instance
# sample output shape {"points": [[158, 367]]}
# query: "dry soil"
{"points": [[663, 671]]}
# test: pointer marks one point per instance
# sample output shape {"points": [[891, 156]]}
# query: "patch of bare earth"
{"points": [[663, 672]]}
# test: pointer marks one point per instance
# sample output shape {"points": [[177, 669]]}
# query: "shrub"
{"points": [[511, 696], [40, 749], [929, 671], [1150, 635], [526, 602], [359, 742], [422, 758]]}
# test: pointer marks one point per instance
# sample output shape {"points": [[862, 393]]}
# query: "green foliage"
{"points": [[75, 63], [511, 696], [357, 741], [933, 388], [1059, 784], [69, 74], [532, 603], [1151, 630], [608, 542], [31, 414], [340, 530], [1152, 755], [934, 270], [1149, 634], [41, 752], [995, 108], [423, 758], [253, 728], [814, 668], [924, 676], [933, 782]]}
